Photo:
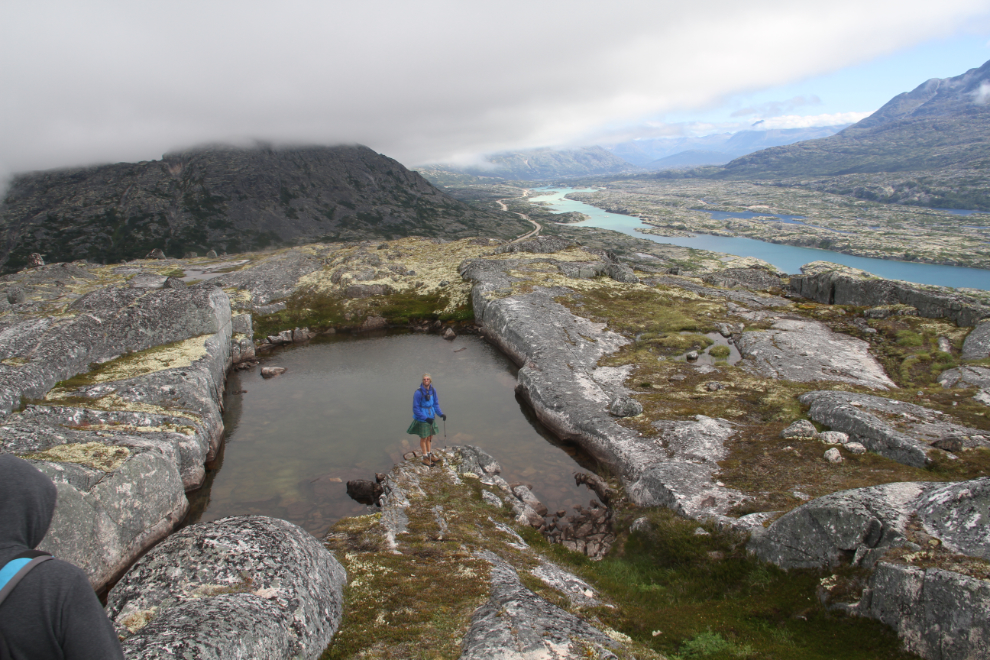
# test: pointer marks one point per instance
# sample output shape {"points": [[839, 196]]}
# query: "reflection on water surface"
{"points": [[341, 412]]}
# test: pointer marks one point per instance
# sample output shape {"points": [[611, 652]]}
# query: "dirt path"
{"points": [[537, 226]]}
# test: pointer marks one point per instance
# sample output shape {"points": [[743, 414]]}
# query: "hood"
{"points": [[27, 502]]}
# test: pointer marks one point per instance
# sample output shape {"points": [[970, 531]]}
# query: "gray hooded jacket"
{"points": [[53, 612]]}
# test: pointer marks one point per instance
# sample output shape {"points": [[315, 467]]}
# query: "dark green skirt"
{"points": [[423, 429]]}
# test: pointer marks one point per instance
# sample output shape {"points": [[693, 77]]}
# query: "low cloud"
{"points": [[982, 95], [775, 108], [809, 121], [105, 81]]}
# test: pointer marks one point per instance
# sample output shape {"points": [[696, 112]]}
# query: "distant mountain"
{"points": [[692, 158], [664, 153], [541, 164], [942, 124], [230, 200]]}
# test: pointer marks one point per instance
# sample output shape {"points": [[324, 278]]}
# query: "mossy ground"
{"points": [[664, 322], [670, 592], [689, 595]]}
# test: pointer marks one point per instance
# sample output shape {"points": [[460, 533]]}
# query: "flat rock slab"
{"points": [[240, 587], [900, 431], [808, 351], [976, 346], [516, 624]]}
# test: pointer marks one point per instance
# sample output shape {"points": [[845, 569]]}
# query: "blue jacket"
{"points": [[426, 404]]}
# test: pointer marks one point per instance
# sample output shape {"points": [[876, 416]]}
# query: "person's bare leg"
{"points": [[429, 447], [424, 445]]}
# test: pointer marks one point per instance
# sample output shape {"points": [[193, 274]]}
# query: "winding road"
{"points": [[537, 226]]}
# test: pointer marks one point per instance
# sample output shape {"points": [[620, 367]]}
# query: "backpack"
{"points": [[11, 574]]}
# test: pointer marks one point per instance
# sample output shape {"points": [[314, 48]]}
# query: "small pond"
{"points": [[341, 411]]}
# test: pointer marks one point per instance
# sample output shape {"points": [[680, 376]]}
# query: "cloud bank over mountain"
{"points": [[109, 81]]}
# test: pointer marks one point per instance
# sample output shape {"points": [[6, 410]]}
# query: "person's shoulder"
{"points": [[61, 571]]}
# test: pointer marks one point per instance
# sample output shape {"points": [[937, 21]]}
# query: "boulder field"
{"points": [[677, 376]]}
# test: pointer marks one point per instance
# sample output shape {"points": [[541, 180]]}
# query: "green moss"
{"points": [[908, 338], [720, 352], [638, 310], [325, 310], [689, 595]]}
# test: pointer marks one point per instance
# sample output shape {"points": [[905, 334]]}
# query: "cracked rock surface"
{"points": [[900, 431], [804, 351]]}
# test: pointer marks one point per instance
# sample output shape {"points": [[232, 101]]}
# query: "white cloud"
{"points": [[982, 95], [111, 80], [809, 121]]}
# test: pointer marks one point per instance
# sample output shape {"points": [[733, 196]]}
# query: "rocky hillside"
{"points": [[228, 200], [943, 123]]}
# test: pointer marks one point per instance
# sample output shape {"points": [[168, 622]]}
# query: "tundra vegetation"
{"points": [[670, 586]]}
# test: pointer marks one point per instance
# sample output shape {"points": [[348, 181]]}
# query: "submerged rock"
{"points": [[240, 587]]}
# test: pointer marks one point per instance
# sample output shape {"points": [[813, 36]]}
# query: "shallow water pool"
{"points": [[341, 411]]}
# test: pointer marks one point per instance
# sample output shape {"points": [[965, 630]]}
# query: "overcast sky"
{"points": [[88, 82]]}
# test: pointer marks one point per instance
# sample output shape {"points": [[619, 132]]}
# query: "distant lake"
{"points": [[787, 258]]}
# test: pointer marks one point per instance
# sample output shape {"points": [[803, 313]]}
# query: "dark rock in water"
{"points": [[365, 492], [212, 254], [449, 334], [240, 587], [756, 279], [271, 372], [374, 323], [155, 254], [604, 492]]}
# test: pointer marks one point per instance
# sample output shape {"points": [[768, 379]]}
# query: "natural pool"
{"points": [[341, 411]]}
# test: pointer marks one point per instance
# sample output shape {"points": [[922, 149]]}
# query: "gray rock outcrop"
{"points": [[901, 431], [100, 326], [123, 447], [515, 624], [805, 351], [938, 614], [833, 284], [976, 346], [241, 587], [860, 525], [755, 279]]}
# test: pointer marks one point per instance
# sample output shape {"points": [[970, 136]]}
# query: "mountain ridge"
{"points": [[227, 199], [943, 123]]}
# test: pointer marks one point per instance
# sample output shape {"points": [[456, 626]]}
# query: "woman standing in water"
{"points": [[426, 407]]}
